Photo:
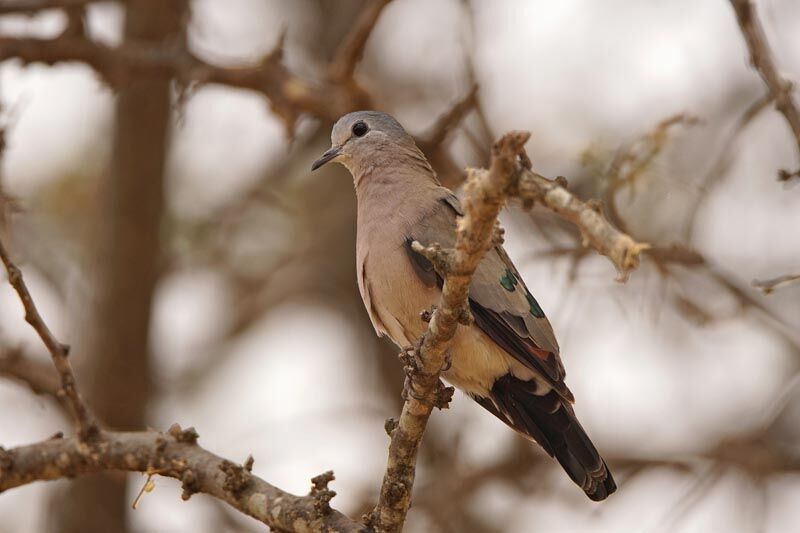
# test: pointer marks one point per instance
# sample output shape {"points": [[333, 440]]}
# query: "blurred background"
{"points": [[171, 232]]}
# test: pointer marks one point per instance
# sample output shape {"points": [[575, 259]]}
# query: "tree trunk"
{"points": [[116, 370]]}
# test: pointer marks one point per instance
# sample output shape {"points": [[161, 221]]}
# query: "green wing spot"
{"points": [[536, 310], [509, 281]]}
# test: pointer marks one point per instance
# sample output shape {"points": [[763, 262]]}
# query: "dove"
{"points": [[507, 359]]}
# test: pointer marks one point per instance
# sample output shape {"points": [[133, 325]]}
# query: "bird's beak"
{"points": [[331, 154]]}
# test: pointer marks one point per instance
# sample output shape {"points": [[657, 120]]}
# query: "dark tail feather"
{"points": [[551, 422]]}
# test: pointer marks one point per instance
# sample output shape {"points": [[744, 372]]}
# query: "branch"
{"points": [[176, 454], [38, 376], [350, 50], [449, 120], [762, 60], [620, 248], [769, 285], [87, 426], [485, 195], [33, 6], [288, 94]]}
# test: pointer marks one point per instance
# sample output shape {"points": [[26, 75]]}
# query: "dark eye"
{"points": [[360, 129]]}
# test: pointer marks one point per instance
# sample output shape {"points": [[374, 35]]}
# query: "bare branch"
{"points": [[723, 160], [448, 120], [352, 47], [763, 61], [33, 6], [87, 426], [621, 249], [485, 195], [288, 94], [174, 454], [769, 285]]}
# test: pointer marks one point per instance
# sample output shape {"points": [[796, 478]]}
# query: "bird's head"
{"points": [[362, 138]]}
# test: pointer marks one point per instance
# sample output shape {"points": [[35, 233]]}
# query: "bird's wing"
{"points": [[503, 307]]}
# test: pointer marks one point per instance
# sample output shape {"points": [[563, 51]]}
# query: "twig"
{"points": [[620, 248], [174, 454], [632, 160], [352, 47], [769, 285], [722, 162], [39, 376], [87, 426], [485, 195], [763, 61], [448, 120]]}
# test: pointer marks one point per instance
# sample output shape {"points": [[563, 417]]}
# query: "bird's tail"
{"points": [[550, 421]]}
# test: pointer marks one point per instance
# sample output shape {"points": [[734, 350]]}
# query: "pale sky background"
{"points": [[577, 73]]}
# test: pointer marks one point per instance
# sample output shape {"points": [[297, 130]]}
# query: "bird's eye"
{"points": [[360, 129]]}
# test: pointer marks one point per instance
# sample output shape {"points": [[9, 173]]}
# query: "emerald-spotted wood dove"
{"points": [[508, 359]]}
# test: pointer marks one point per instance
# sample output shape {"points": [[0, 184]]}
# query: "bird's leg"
{"points": [[441, 397]]}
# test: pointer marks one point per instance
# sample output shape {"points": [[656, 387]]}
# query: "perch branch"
{"points": [[485, 195], [176, 454], [763, 61]]}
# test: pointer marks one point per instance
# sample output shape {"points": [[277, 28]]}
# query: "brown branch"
{"points": [[288, 94], [763, 61], [769, 285], [33, 6], [351, 49], [449, 120], [87, 426], [485, 195], [175, 454], [37, 375], [620, 248]]}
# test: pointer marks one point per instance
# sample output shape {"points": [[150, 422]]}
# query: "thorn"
{"points": [[444, 395], [390, 425], [248, 463], [321, 493], [427, 314], [189, 484], [236, 477], [188, 435]]}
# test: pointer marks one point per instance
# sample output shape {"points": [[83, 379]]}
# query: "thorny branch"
{"points": [[175, 454], [763, 61], [485, 194]]}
